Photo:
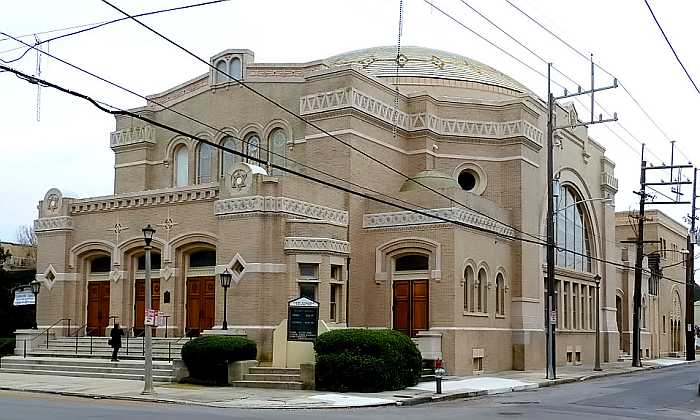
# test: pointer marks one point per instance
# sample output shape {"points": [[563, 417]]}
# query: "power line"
{"points": [[675, 54], [91, 26], [118, 111], [587, 57], [310, 123]]}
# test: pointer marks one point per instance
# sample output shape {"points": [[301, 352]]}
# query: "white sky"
{"points": [[69, 147]]}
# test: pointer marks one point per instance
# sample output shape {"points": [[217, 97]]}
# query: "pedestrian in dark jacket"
{"points": [[116, 341]]}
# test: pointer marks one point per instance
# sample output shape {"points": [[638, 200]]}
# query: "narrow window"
{"points": [[575, 305], [204, 164], [469, 289], [253, 148], [500, 295], [566, 305], [181, 167], [307, 290], [335, 293], [228, 159], [235, 69], [482, 291], [220, 73], [277, 145]]}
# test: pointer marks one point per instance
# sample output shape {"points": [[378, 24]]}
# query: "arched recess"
{"points": [[468, 282], [502, 287], [79, 250], [129, 246], [387, 250], [483, 284], [93, 295]]}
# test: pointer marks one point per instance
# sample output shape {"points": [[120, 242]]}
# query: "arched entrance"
{"points": [[200, 284], [140, 290], [410, 294], [676, 343], [98, 286]]}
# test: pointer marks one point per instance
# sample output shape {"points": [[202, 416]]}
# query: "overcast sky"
{"points": [[69, 147]]}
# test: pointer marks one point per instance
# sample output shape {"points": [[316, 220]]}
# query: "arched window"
{"points": [[181, 167], [481, 292], [277, 144], [204, 164], [206, 258], [228, 159], [253, 147], [101, 264], [500, 295], [235, 68], [155, 261], [412, 263], [220, 75], [572, 237], [644, 312], [469, 289]]}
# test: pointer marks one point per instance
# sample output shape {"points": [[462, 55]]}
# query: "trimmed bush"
{"points": [[207, 357], [366, 361]]}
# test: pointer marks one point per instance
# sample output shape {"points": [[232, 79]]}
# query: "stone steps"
{"points": [[272, 378], [88, 368]]}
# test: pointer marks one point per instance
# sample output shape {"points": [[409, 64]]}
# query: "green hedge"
{"points": [[206, 357], [366, 361]]}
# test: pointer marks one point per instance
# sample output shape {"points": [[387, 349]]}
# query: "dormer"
{"points": [[230, 66]]}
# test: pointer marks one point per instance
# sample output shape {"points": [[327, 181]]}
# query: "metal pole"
{"points": [[148, 361], [636, 335], [690, 282], [224, 326], [166, 326], [36, 313], [551, 301], [597, 325]]}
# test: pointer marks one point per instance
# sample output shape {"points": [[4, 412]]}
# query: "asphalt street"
{"points": [[670, 393]]}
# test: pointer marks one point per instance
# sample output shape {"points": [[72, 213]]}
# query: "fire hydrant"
{"points": [[439, 373]]}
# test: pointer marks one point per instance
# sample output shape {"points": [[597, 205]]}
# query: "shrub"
{"points": [[366, 361], [206, 357]]}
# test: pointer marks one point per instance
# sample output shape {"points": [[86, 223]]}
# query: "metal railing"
{"points": [[141, 334], [48, 329], [187, 337]]}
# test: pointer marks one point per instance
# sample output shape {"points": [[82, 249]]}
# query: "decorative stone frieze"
{"points": [[269, 204], [353, 98], [403, 218], [53, 223], [133, 135], [316, 245], [608, 182], [145, 199]]}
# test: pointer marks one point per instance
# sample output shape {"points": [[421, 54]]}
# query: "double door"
{"points": [[410, 308], [140, 303], [97, 308], [200, 304]]}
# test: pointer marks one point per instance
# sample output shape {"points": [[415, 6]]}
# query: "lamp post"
{"points": [[597, 323], [225, 279], [36, 286], [148, 233]]}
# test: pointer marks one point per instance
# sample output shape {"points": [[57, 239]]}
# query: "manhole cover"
{"points": [[509, 413]]}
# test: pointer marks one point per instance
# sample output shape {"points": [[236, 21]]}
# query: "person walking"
{"points": [[116, 341]]}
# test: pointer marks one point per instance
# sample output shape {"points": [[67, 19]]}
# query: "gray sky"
{"points": [[69, 147]]}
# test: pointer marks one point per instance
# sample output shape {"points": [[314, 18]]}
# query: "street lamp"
{"points": [[148, 233], [597, 323], [225, 279], [36, 286]]}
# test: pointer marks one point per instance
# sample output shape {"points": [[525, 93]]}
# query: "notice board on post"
{"points": [[302, 320]]}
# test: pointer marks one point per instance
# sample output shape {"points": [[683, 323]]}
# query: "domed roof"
{"points": [[432, 179], [424, 62]]}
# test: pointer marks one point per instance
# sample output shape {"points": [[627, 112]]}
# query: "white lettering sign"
{"points": [[24, 297]]}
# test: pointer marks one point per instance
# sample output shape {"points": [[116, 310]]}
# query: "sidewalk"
{"points": [[233, 397]]}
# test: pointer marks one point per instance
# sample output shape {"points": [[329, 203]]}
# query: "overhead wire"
{"points": [[313, 124], [105, 107]]}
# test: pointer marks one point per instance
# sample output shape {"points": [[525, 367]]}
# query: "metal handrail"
{"points": [[47, 329], [186, 336], [136, 336]]}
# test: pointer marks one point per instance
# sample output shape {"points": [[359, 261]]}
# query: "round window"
{"points": [[468, 179]]}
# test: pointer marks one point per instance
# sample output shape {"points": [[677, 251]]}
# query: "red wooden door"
{"points": [[200, 304], [98, 307], [410, 306], [140, 302]]}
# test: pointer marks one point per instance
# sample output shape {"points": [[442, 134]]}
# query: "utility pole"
{"points": [[637, 299], [550, 302], [690, 280]]}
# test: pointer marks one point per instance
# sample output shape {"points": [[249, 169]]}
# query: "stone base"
{"points": [[29, 339], [231, 331]]}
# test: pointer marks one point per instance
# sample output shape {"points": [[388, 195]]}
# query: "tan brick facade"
{"points": [[455, 117]]}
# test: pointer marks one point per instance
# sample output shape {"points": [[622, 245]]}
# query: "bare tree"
{"points": [[26, 236]]}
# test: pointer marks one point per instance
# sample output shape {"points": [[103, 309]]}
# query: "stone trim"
{"points": [[403, 218], [269, 204], [133, 135], [316, 245], [353, 98], [162, 197], [53, 223]]}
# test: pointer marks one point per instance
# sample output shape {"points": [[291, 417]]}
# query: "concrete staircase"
{"points": [[86, 367], [90, 357], [269, 377]]}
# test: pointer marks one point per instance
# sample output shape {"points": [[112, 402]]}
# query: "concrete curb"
{"points": [[418, 400]]}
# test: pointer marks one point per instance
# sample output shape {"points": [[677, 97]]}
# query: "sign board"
{"points": [[302, 320], [24, 297], [151, 317], [553, 317]]}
